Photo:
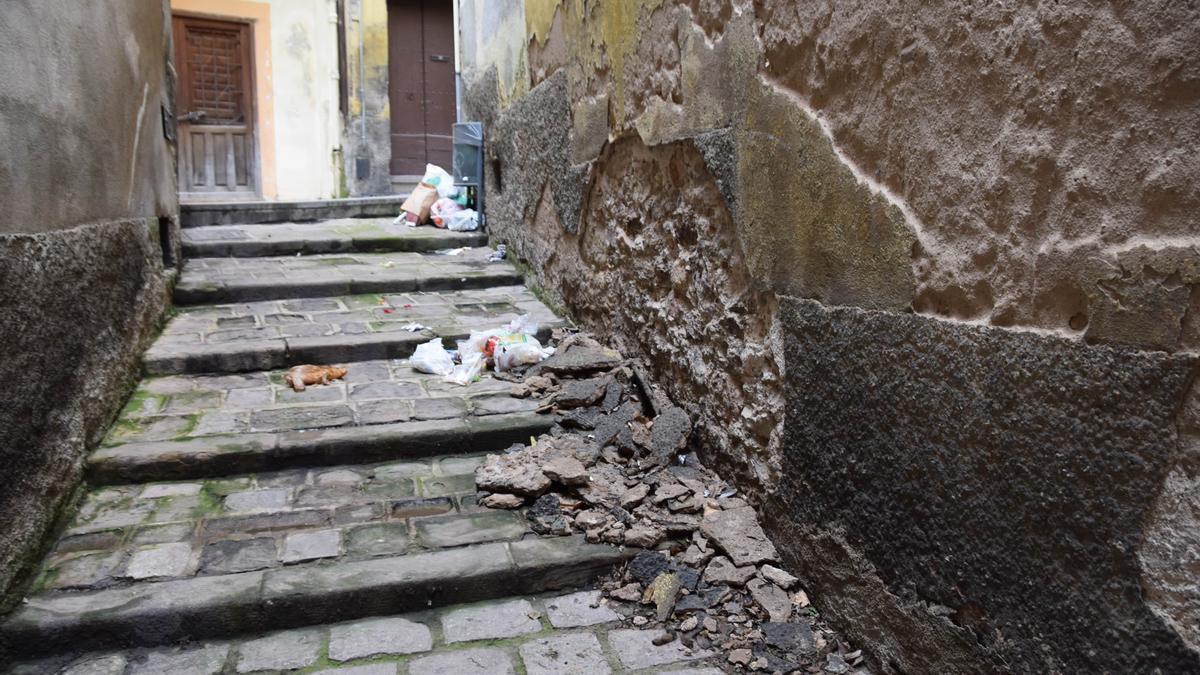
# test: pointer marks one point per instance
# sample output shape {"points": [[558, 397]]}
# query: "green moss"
{"points": [[193, 421], [209, 503]]}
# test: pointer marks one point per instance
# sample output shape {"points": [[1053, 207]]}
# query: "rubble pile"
{"points": [[618, 468]]}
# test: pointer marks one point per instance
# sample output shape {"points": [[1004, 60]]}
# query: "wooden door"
{"points": [[218, 155], [421, 83]]}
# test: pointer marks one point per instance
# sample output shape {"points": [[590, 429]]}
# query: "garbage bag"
{"points": [[440, 180], [468, 371], [517, 349], [432, 357], [466, 220], [442, 209]]}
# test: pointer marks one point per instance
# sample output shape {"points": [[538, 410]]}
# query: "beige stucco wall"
{"points": [[296, 81]]}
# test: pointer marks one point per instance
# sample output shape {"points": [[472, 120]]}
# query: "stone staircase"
{"points": [[223, 505]]}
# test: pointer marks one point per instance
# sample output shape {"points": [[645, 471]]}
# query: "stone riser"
{"points": [[201, 215], [186, 294], [277, 247], [237, 357], [252, 602], [212, 456]]}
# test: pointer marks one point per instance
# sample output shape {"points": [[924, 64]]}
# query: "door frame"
{"points": [[255, 111]]}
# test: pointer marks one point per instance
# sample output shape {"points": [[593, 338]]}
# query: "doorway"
{"points": [[421, 84], [218, 154]]}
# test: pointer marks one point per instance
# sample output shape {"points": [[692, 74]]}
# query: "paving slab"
{"points": [[584, 608], [637, 650], [361, 639], [216, 280], [574, 653], [490, 621], [244, 336], [356, 235], [281, 651], [464, 662]]}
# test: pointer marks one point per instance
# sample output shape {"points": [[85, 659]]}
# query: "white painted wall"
{"points": [[307, 131]]}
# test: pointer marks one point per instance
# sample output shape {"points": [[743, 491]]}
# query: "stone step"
{"points": [[201, 214], [329, 236], [210, 456], [215, 280], [182, 426], [161, 563], [574, 632], [277, 333]]}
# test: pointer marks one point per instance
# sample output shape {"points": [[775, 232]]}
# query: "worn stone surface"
{"points": [[165, 560], [578, 653], [280, 651], [207, 659], [490, 621], [378, 636], [464, 662], [301, 546], [1088, 468], [636, 649], [584, 608]]}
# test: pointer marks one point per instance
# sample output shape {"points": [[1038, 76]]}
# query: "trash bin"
{"points": [[468, 164]]}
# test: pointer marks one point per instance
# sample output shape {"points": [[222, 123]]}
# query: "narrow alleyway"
{"points": [[232, 524]]}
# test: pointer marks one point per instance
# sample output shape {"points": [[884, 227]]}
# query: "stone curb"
{"points": [[168, 612], [251, 355], [250, 248], [249, 289], [249, 213], [213, 456]]}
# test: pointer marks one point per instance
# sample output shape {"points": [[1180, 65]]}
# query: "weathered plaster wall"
{"points": [[368, 122], [999, 183], [87, 183]]}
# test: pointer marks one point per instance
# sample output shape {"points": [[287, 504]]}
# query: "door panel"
{"points": [[217, 153], [421, 72]]}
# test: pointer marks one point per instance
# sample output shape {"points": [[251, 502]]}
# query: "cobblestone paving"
{"points": [[448, 313], [165, 530], [176, 407], [344, 234], [573, 633]]}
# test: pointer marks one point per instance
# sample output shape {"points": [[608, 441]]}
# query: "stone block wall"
{"points": [[88, 238], [926, 274]]}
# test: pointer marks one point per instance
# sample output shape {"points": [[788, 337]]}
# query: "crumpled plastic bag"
{"points": [[442, 209], [468, 371], [439, 179], [432, 357], [466, 220]]}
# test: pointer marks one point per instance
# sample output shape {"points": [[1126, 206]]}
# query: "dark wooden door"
{"points": [[421, 73], [215, 104]]}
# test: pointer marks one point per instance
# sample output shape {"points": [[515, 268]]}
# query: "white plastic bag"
{"points": [[432, 357], [468, 371], [523, 324], [463, 221], [438, 178], [515, 354], [442, 209]]}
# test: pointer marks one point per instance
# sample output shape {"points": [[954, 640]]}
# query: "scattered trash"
{"points": [[466, 220], [298, 377], [468, 370], [437, 177], [412, 327], [431, 357], [388, 264], [442, 209], [451, 251], [499, 254], [417, 206]]}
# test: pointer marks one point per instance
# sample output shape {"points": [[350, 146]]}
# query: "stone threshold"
{"points": [[211, 456], [192, 290], [199, 214], [340, 236], [225, 606]]}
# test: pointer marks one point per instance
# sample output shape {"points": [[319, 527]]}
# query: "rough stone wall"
{"points": [[1010, 183], [88, 183]]}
